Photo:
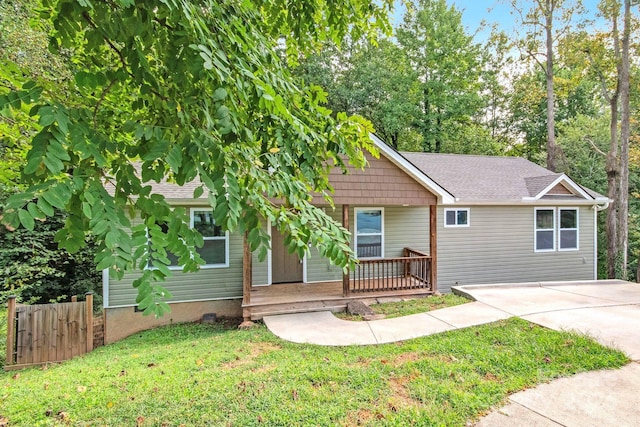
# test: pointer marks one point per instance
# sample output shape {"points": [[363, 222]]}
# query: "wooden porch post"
{"points": [[433, 246], [246, 277], [345, 276]]}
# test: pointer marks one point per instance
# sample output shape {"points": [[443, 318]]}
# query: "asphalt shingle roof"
{"points": [[484, 178]]}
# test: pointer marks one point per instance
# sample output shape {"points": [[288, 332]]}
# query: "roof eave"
{"points": [[564, 179], [528, 202], [443, 196]]}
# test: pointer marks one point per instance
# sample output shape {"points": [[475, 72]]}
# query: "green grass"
{"points": [[411, 306], [201, 375]]}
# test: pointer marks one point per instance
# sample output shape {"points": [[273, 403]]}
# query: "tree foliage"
{"points": [[23, 42], [189, 91], [374, 80], [34, 269], [448, 64]]}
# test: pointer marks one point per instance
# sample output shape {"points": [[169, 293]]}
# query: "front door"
{"points": [[285, 267]]}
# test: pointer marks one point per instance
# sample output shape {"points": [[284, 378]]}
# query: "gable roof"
{"points": [[456, 179], [493, 179]]}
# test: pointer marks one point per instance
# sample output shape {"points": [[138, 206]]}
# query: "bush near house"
{"points": [[33, 268]]}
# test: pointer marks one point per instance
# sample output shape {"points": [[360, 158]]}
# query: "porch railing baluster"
{"points": [[412, 271]]}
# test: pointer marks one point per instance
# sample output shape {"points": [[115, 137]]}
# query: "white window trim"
{"points": [[225, 238], [577, 229], [355, 230], [536, 229], [456, 225]]}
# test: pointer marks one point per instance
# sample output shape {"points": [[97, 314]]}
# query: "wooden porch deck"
{"points": [[303, 297]]}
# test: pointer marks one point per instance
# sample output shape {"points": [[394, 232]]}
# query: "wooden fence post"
{"points": [[11, 330], [89, 316], [74, 298]]}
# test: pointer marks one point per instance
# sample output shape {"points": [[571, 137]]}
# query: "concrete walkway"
{"points": [[608, 311]]}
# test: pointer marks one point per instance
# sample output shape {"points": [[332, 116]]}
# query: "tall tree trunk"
{"points": [[612, 166], [551, 126], [623, 191]]}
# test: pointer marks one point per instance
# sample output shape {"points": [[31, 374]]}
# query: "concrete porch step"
{"points": [[258, 312]]}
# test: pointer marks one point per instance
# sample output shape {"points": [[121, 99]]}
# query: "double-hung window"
{"points": [[545, 238], [215, 250], [556, 229], [369, 236], [568, 228]]}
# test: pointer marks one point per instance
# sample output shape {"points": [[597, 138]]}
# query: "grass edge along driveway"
{"points": [[197, 375]]}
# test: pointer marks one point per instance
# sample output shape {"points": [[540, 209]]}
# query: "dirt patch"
{"points": [[361, 417], [400, 397], [264, 368], [491, 377], [255, 350], [406, 358]]}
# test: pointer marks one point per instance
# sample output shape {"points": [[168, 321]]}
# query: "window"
{"points": [[215, 250], [548, 229], [568, 239], [456, 217], [545, 238], [369, 235], [171, 257]]}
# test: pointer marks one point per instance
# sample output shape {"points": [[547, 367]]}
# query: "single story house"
{"points": [[421, 223]]}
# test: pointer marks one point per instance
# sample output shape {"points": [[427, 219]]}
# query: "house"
{"points": [[421, 223]]}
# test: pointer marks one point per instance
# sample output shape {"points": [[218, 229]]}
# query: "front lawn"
{"points": [[202, 375]]}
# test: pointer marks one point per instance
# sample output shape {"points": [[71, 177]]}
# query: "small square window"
{"points": [[456, 217]]}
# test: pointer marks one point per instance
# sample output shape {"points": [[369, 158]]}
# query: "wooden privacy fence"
{"points": [[42, 333]]}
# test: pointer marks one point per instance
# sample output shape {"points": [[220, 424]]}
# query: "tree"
{"points": [[188, 90], [25, 57], [448, 65], [35, 270], [497, 73], [547, 21], [610, 60], [374, 80]]}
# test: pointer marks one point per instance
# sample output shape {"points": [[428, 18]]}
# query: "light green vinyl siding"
{"points": [[206, 284], [320, 269], [403, 227], [498, 247]]}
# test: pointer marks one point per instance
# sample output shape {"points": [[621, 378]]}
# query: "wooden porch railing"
{"points": [[412, 271]]}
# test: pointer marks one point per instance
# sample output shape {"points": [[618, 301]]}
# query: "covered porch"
{"points": [[390, 210], [411, 274]]}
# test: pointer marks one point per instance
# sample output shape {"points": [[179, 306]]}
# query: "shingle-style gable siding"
{"points": [[380, 183], [559, 190], [498, 248]]}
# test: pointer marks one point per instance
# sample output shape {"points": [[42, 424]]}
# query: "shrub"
{"points": [[33, 268]]}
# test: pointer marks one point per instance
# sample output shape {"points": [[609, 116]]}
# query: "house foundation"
{"points": [[120, 322]]}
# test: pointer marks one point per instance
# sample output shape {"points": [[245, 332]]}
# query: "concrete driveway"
{"points": [[608, 311]]}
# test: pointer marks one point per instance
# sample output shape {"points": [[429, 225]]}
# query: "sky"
{"points": [[491, 11]]}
